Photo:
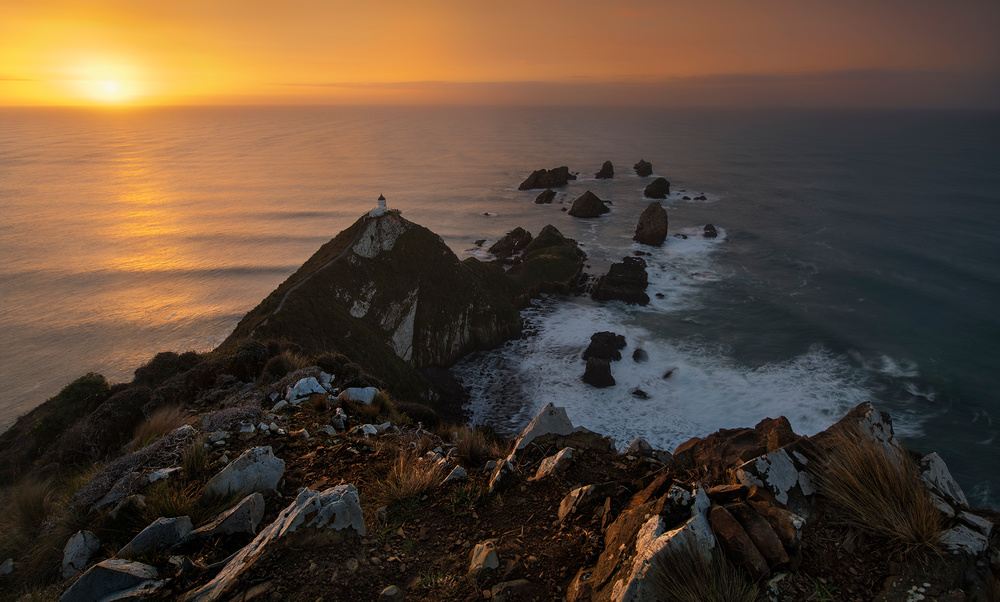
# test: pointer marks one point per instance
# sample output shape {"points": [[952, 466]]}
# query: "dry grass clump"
{"points": [[161, 422], [34, 528], [410, 477], [194, 458], [685, 576], [476, 445], [878, 489]]}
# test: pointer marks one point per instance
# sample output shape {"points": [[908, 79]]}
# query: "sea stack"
{"points": [[652, 227]]}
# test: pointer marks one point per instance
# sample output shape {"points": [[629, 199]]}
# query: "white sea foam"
{"points": [[705, 392]]}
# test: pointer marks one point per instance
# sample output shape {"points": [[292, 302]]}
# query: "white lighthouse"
{"points": [[379, 209]]}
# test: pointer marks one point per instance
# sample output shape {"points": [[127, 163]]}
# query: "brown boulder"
{"points": [[588, 205], [782, 522], [643, 168], [760, 533], [736, 543], [724, 494], [652, 226]]}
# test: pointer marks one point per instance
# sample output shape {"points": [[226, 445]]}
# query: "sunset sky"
{"points": [[665, 52]]}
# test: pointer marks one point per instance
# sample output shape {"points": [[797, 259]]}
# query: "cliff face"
{"points": [[390, 292]]}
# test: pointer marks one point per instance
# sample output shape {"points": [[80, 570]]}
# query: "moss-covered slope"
{"points": [[392, 296]]}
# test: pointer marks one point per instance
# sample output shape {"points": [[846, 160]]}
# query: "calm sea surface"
{"points": [[858, 257]]}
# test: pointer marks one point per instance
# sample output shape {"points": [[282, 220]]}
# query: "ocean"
{"points": [[858, 256]]}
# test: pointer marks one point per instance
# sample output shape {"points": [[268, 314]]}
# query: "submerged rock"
{"points": [[546, 197]]}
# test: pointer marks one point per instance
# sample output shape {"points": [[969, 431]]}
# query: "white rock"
{"points": [[247, 430], [383, 427], [326, 430], [160, 535], [262, 427], [555, 463], [458, 474], [329, 514], [784, 475], [303, 389], [7, 567], [638, 446], [218, 436], [653, 542], [326, 380], [550, 419], [111, 578], [936, 476], [367, 429], [279, 405], [78, 551], [961, 538], [977, 522], [358, 394], [484, 558], [273, 427], [244, 517], [163, 473], [255, 470]]}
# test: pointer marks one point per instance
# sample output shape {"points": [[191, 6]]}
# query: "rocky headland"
{"points": [[314, 455]]}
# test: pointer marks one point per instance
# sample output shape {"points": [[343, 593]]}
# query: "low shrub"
{"points": [[107, 428], [164, 366], [284, 363], [76, 399], [877, 488]]}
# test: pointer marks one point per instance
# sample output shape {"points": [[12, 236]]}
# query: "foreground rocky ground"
{"points": [[305, 490]]}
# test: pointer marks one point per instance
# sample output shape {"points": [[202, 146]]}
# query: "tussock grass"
{"points": [[477, 445], [173, 498], [685, 576], [34, 527], [161, 422], [877, 488], [410, 477], [194, 458]]}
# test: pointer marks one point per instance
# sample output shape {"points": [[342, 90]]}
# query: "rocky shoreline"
{"points": [[318, 454]]}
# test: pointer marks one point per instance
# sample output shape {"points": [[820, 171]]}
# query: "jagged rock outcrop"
{"points": [[709, 231], [605, 345], [327, 517], [511, 244], [652, 227], [625, 281], [643, 168], [588, 205], [391, 295], [545, 197], [657, 189], [547, 178], [607, 171]]}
